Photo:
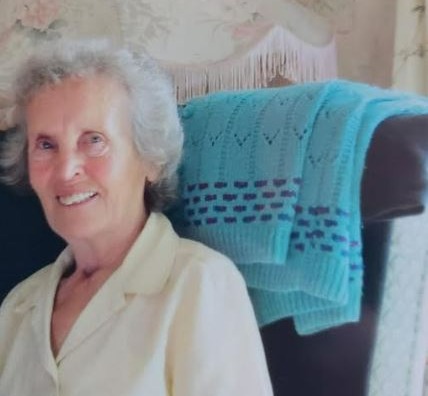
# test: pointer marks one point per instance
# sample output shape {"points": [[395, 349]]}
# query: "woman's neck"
{"points": [[104, 252]]}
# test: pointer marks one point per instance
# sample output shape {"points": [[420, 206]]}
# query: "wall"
{"points": [[365, 41]]}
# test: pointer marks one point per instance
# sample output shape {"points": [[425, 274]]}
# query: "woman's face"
{"points": [[82, 162]]}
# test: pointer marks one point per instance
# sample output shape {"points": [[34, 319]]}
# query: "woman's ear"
{"points": [[152, 173]]}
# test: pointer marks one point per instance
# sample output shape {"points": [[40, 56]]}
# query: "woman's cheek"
{"points": [[39, 171], [100, 167]]}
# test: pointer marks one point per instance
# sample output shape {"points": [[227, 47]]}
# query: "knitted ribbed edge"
{"points": [[267, 243], [312, 322], [272, 306], [318, 276]]}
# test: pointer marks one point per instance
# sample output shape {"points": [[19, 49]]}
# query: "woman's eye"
{"points": [[43, 149], [94, 143], [95, 139], [44, 144]]}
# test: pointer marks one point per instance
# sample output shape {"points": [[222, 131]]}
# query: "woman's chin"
{"points": [[76, 230]]}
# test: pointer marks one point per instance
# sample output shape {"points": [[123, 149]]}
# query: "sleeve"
{"points": [[7, 328], [215, 345], [13, 309]]}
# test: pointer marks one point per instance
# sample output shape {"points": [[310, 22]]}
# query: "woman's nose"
{"points": [[69, 166]]}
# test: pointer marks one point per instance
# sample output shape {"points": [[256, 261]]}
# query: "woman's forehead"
{"points": [[98, 99]]}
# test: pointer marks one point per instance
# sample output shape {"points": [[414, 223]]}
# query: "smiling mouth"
{"points": [[76, 199]]}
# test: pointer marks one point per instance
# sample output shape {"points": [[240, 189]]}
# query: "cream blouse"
{"points": [[173, 319]]}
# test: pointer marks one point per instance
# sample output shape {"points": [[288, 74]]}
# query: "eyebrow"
{"points": [[42, 135]]}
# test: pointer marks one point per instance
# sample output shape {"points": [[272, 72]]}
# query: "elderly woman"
{"points": [[128, 308]]}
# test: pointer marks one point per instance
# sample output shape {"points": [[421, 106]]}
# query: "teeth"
{"points": [[76, 198]]}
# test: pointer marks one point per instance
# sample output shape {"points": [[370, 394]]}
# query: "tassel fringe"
{"points": [[279, 53]]}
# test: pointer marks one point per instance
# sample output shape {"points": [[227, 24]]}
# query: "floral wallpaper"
{"points": [[328, 8], [411, 46], [29, 20], [27, 24], [38, 17], [38, 14]]}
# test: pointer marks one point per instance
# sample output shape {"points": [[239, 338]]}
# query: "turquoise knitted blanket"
{"points": [[271, 178]]}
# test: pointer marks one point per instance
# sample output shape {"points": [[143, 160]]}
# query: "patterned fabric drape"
{"points": [[401, 347]]}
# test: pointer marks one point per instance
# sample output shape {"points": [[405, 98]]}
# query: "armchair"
{"points": [[332, 362]]}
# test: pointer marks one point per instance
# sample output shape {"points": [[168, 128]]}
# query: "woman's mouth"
{"points": [[78, 198]]}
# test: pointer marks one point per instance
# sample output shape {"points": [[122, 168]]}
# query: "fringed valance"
{"points": [[278, 53]]}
